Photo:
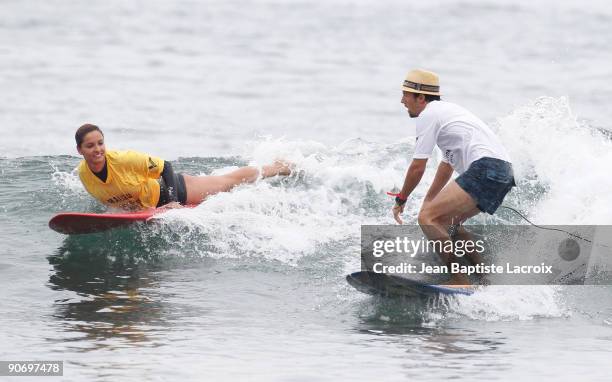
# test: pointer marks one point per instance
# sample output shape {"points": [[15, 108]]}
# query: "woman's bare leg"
{"points": [[200, 187]]}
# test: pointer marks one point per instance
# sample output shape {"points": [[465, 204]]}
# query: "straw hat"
{"points": [[422, 81]]}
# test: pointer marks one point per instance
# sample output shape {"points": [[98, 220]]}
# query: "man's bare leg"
{"points": [[473, 255], [465, 236], [451, 206]]}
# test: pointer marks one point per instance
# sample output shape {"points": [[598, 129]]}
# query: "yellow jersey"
{"points": [[131, 183]]}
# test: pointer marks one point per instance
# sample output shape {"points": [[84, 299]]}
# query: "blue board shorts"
{"points": [[487, 180]]}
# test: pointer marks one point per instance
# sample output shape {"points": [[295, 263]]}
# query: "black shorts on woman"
{"points": [[171, 186], [487, 180]]}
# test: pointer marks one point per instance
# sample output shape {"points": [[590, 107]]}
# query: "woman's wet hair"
{"points": [[83, 131]]}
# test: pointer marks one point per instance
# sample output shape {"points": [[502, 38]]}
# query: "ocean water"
{"points": [[250, 284]]}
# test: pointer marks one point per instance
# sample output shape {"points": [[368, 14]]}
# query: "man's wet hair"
{"points": [[428, 97], [83, 131]]}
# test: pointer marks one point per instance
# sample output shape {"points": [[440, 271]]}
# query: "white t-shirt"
{"points": [[461, 136]]}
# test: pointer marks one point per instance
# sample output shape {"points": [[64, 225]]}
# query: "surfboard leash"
{"points": [[546, 228]]}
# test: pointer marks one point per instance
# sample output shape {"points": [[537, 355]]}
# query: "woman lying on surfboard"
{"points": [[131, 180]]}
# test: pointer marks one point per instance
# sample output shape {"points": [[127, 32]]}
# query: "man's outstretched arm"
{"points": [[413, 177]]}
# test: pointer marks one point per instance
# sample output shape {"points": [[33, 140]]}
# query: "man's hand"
{"points": [[397, 211]]}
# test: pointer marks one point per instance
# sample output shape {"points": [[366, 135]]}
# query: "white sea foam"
{"points": [[510, 303], [325, 201], [566, 158], [266, 220], [67, 181]]}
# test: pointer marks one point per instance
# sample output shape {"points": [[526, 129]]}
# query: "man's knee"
{"points": [[426, 217], [430, 215]]}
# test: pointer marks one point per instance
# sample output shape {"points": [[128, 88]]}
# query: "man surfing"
{"points": [[468, 147]]}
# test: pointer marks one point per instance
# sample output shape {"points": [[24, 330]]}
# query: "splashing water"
{"points": [[553, 151]]}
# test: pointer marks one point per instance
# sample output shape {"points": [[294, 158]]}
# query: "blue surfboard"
{"points": [[390, 285]]}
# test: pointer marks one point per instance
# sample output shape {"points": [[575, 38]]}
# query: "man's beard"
{"points": [[412, 115]]}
